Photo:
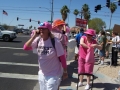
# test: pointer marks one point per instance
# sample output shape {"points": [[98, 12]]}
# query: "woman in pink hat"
{"points": [[59, 31], [86, 43], [51, 58]]}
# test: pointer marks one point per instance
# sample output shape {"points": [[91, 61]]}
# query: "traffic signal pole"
{"points": [[52, 12]]}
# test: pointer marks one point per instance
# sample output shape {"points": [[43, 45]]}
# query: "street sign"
{"points": [[81, 22], [20, 25]]}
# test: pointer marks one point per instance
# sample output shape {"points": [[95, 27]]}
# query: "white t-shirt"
{"points": [[49, 64], [114, 39]]}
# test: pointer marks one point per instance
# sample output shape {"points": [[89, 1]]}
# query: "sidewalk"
{"points": [[101, 81]]}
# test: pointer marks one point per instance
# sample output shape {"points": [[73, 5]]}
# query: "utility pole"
{"points": [[52, 12]]}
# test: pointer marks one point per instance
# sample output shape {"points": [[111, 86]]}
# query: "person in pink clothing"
{"points": [[86, 42], [52, 61], [59, 31]]}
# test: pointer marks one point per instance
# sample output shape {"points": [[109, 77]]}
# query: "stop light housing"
{"points": [[30, 20], [118, 2], [38, 22], [96, 9], [17, 18], [108, 3], [99, 7]]}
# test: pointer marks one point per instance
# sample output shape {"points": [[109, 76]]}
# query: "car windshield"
{"points": [[1, 28]]}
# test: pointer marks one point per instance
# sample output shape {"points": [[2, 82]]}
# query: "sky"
{"points": [[26, 9]]}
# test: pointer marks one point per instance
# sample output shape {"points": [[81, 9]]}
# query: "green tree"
{"points": [[112, 8], [85, 8], [86, 12], [64, 12], [76, 12], [96, 24]]}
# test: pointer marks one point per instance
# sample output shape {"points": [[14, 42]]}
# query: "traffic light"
{"points": [[17, 18], [118, 2], [30, 20], [98, 7], [38, 22], [108, 3]]}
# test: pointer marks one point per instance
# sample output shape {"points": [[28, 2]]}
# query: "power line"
{"points": [[38, 8]]}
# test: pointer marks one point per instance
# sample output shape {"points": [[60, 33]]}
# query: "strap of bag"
{"points": [[53, 42]]}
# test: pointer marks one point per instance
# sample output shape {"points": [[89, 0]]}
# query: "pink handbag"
{"points": [[90, 55]]}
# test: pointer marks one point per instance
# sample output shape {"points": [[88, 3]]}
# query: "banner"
{"points": [[81, 22]]}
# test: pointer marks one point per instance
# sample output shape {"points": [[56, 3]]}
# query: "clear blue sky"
{"points": [[27, 9]]}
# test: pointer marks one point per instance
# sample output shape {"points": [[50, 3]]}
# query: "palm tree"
{"points": [[64, 12], [113, 7], [85, 8], [87, 16], [86, 12], [76, 12]]}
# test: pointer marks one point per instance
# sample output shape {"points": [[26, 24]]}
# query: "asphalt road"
{"points": [[18, 68]]}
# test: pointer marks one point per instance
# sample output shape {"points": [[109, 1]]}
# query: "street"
{"points": [[18, 68]]}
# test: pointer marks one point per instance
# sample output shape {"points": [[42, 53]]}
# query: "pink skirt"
{"points": [[84, 67]]}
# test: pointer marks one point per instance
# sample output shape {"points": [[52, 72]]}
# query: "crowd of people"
{"points": [[49, 42], [89, 45]]}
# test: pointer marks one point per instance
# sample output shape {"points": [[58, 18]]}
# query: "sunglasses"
{"points": [[42, 24], [89, 35]]}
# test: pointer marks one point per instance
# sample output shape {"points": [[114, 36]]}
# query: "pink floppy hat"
{"points": [[45, 25], [90, 32]]}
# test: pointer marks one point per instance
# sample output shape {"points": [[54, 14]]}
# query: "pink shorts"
{"points": [[84, 67]]}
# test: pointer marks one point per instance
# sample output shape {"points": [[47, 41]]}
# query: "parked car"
{"points": [[17, 31], [7, 35], [26, 31]]}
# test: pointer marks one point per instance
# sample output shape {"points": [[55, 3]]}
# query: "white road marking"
{"points": [[19, 76], [21, 64], [11, 48]]}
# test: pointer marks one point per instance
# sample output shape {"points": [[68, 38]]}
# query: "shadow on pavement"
{"points": [[17, 84], [105, 86], [72, 68]]}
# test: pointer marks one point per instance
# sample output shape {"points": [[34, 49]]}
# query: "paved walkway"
{"points": [[101, 82]]}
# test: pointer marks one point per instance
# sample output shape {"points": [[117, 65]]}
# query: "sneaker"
{"points": [[102, 63], [80, 84], [87, 87]]}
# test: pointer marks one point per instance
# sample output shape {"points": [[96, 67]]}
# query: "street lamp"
{"points": [[50, 11]]}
